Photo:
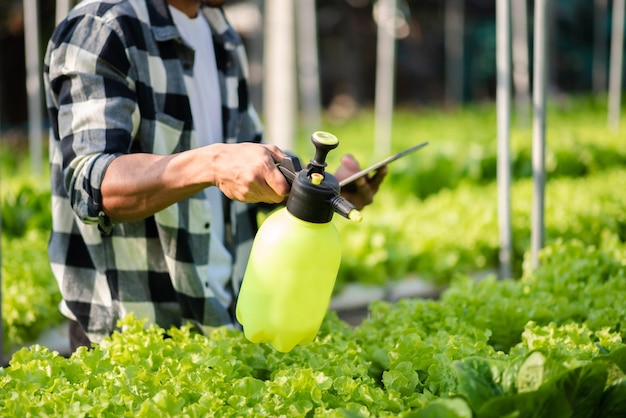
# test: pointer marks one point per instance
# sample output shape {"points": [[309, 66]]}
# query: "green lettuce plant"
{"points": [[414, 358]]}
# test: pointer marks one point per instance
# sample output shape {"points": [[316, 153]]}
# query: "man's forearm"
{"points": [[136, 186]]}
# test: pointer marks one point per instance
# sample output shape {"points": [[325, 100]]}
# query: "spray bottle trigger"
{"points": [[289, 166]]}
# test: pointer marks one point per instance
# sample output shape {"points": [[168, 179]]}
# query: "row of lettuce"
{"points": [[435, 216], [452, 232], [457, 231], [548, 344]]}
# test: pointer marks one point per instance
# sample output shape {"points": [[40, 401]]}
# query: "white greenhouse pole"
{"points": [[279, 95], [308, 65], [385, 74], [503, 99], [521, 78], [540, 72], [62, 9], [617, 63], [453, 44], [33, 85]]}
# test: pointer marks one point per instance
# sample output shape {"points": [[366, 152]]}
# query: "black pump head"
{"points": [[311, 202], [315, 193]]}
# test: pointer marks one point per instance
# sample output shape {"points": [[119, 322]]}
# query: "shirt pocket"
{"points": [[167, 134]]}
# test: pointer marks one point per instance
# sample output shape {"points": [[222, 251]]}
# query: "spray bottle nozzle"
{"points": [[346, 209]]}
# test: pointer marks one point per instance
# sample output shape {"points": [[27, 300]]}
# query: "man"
{"points": [[156, 164]]}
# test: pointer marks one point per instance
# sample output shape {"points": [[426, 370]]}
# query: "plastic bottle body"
{"points": [[289, 280]]}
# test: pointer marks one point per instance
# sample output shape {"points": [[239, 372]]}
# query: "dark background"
{"points": [[347, 51]]}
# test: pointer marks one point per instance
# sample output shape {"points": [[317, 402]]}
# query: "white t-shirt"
{"points": [[206, 107]]}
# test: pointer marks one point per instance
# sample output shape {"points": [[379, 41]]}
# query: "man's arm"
{"points": [[136, 186]]}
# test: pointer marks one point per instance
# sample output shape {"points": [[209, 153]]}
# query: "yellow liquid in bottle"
{"points": [[289, 280]]}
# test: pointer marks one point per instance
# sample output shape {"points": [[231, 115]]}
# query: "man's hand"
{"points": [[362, 192], [247, 172]]}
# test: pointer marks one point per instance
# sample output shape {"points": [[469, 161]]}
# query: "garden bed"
{"points": [[393, 343], [549, 344], [351, 306]]}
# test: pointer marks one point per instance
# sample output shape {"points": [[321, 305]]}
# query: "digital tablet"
{"points": [[380, 164]]}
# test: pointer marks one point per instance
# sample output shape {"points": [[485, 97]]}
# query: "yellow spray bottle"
{"points": [[295, 256]]}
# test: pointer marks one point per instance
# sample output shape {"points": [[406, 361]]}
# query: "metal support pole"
{"points": [[453, 43], [617, 63], [539, 128], [308, 73], [33, 85], [279, 97], [385, 75], [503, 99], [255, 54], [521, 78], [62, 9]]}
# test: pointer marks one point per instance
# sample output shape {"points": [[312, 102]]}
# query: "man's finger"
{"points": [[349, 162], [276, 153], [378, 178], [362, 182], [277, 182]]}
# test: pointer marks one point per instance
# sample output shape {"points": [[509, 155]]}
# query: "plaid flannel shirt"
{"points": [[114, 76]]}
